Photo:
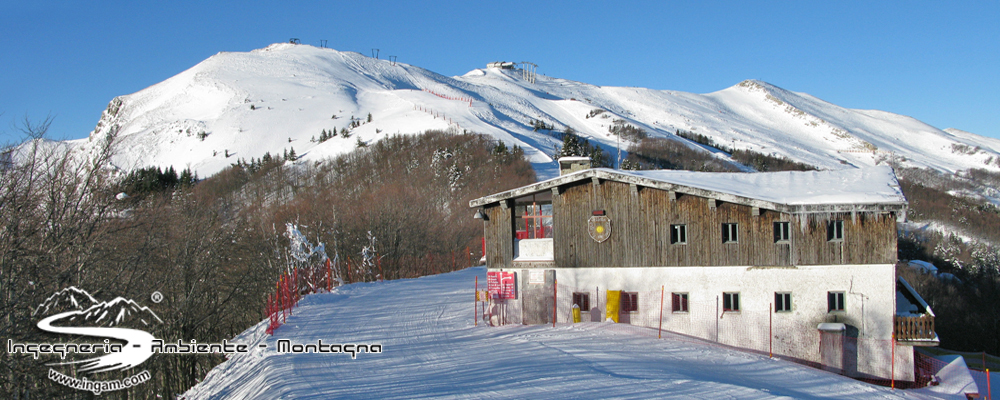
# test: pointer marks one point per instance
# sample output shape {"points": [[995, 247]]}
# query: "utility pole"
{"points": [[322, 43], [375, 53], [392, 59]]}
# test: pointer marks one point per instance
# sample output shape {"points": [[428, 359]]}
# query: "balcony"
{"points": [[913, 323], [917, 329]]}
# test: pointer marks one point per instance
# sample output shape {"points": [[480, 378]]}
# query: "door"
{"points": [[537, 295]]}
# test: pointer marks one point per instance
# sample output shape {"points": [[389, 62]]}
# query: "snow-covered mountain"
{"points": [[279, 98]]}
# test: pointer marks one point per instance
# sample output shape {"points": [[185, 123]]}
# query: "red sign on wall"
{"points": [[501, 285]]}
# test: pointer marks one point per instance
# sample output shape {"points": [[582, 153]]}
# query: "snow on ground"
{"points": [[243, 104], [431, 349]]}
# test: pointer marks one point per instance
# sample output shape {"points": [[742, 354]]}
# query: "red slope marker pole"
{"points": [[989, 389]]}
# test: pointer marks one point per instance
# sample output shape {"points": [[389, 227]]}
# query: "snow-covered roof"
{"points": [[567, 159], [911, 302], [856, 189]]}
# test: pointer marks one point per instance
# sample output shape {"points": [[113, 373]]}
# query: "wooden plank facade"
{"points": [[641, 219], [499, 235], [831, 251]]}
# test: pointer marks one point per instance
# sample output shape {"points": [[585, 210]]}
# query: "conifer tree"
{"points": [[187, 178]]}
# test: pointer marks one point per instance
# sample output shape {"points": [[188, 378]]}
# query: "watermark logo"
{"points": [[119, 340], [120, 345], [106, 320]]}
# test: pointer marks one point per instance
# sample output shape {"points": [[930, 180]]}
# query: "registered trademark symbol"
{"points": [[157, 297]]}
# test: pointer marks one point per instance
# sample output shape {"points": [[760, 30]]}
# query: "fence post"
{"points": [[989, 389], [770, 330], [659, 331], [284, 297]]}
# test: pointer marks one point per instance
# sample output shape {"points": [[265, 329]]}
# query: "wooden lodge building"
{"points": [[807, 256]]}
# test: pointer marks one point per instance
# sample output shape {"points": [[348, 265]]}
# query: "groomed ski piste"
{"points": [[431, 348]]}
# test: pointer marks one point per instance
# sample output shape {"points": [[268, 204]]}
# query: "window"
{"points": [[680, 302], [782, 302], [729, 233], [678, 234], [582, 300], [731, 301], [835, 230], [834, 301], [781, 232], [630, 301], [533, 216]]}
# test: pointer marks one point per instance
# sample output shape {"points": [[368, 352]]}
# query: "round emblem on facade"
{"points": [[599, 228]]}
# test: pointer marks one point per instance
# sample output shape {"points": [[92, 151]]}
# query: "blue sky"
{"points": [[938, 62]]}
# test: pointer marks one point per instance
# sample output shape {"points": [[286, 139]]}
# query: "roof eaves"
{"points": [[612, 175], [532, 188]]}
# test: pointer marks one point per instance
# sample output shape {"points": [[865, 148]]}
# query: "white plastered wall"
{"points": [[869, 292]]}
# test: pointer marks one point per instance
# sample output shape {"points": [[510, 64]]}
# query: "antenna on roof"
{"points": [[294, 41], [375, 53]]}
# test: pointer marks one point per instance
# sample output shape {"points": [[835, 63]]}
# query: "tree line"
{"points": [[214, 247]]}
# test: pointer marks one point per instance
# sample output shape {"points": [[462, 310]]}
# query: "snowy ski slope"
{"points": [[431, 349], [279, 97]]}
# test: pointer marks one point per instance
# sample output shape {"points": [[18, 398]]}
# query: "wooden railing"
{"points": [[911, 328]]}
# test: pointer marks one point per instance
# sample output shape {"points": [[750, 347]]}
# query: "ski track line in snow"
{"points": [[431, 349]]}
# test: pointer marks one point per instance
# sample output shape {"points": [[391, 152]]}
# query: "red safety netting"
{"points": [[290, 288]]}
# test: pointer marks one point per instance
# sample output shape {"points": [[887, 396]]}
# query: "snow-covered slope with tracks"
{"points": [[432, 349]]}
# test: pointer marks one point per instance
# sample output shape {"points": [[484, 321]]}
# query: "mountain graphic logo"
{"points": [[73, 311]]}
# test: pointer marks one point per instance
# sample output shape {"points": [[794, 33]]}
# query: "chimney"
{"points": [[569, 165]]}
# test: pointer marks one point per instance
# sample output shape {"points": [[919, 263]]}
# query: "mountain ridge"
{"points": [[242, 104]]}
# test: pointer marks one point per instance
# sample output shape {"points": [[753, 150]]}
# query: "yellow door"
{"points": [[614, 299]]}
